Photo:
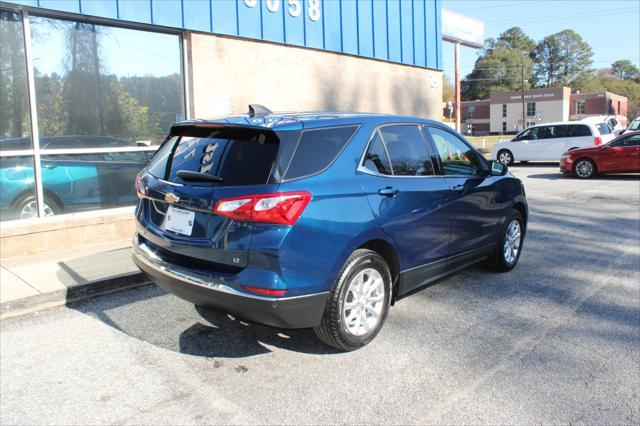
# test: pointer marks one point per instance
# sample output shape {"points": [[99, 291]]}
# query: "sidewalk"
{"points": [[31, 283]]}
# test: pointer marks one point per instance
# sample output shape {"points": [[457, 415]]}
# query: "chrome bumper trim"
{"points": [[143, 254]]}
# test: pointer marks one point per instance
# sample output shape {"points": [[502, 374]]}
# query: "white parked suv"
{"points": [[547, 142], [616, 127], [634, 126]]}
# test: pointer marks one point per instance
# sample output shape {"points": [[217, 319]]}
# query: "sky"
{"points": [[611, 27]]}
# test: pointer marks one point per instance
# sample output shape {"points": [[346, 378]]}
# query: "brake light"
{"points": [[141, 188], [282, 208], [597, 140], [264, 291]]}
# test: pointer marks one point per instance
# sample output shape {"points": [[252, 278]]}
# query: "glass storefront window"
{"points": [[105, 95], [17, 193], [77, 182], [95, 80], [15, 125], [17, 188]]}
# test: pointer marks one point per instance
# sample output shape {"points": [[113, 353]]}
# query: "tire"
{"points": [[25, 207], [335, 329], [584, 169], [505, 157], [500, 261]]}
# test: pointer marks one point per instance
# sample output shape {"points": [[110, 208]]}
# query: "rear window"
{"points": [[579, 130], [237, 156], [603, 128], [317, 149]]}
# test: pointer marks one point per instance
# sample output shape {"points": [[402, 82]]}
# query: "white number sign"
{"points": [[294, 7]]}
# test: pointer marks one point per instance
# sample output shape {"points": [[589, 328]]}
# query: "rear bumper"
{"points": [[211, 292]]}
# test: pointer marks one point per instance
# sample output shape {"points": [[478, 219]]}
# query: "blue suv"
{"points": [[320, 220]]}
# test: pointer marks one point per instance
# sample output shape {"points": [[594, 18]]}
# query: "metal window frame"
{"points": [[36, 152]]}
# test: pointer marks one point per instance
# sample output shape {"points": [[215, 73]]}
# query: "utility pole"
{"points": [[457, 83], [523, 107]]}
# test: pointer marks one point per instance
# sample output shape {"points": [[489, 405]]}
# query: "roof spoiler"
{"points": [[256, 109]]}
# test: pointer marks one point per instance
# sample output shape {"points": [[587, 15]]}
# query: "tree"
{"points": [[500, 69], [516, 39], [561, 58], [625, 70], [500, 65]]}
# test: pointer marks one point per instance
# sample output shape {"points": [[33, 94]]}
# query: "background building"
{"points": [[89, 88], [502, 112]]}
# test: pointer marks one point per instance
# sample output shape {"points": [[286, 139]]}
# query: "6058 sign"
{"points": [[294, 7]]}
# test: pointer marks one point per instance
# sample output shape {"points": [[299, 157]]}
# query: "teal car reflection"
{"points": [[71, 182]]}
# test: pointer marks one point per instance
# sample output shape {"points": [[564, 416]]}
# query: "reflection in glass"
{"points": [[14, 102], [17, 194], [95, 81], [92, 181]]}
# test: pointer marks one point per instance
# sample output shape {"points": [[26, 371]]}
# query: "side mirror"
{"points": [[498, 169]]}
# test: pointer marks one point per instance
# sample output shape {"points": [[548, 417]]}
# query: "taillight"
{"points": [[264, 291], [280, 208], [597, 140], [141, 188]]}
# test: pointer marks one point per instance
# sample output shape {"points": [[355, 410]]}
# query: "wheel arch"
{"points": [[388, 252], [522, 209], [47, 193]]}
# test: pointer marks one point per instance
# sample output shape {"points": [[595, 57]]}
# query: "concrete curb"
{"points": [[76, 293]]}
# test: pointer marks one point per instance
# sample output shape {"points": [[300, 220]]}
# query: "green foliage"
{"points": [[500, 68], [626, 70], [561, 58], [628, 88]]}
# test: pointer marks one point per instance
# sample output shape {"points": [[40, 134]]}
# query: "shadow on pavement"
{"points": [[556, 176], [150, 314]]}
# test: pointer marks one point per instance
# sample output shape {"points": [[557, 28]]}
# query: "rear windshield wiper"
{"points": [[188, 176]]}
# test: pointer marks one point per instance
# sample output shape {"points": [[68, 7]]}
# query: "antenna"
{"points": [[256, 109]]}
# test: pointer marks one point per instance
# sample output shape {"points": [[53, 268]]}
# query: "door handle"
{"points": [[388, 191], [458, 188]]}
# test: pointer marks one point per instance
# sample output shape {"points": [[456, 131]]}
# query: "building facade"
{"points": [[89, 88], [503, 112]]}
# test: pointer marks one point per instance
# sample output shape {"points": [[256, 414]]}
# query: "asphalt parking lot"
{"points": [[557, 340]]}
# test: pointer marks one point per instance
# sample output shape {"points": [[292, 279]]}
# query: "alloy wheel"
{"points": [[30, 210], [363, 302], [584, 168], [505, 158], [512, 242]]}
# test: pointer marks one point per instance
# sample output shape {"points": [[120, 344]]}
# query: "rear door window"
{"points": [[560, 131], [577, 130], [407, 150], [237, 156], [317, 149], [377, 159], [545, 132]]}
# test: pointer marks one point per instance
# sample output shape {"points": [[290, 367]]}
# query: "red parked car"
{"points": [[621, 155]]}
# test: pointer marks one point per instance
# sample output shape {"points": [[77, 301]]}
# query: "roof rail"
{"points": [[256, 109]]}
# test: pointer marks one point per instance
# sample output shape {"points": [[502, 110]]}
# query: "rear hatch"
{"points": [[197, 166]]}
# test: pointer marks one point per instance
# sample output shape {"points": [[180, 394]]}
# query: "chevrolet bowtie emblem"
{"points": [[171, 198]]}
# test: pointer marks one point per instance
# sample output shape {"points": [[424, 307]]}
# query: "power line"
{"points": [[563, 16]]}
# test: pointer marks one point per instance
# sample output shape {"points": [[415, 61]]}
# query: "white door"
{"points": [[524, 147], [553, 142]]}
